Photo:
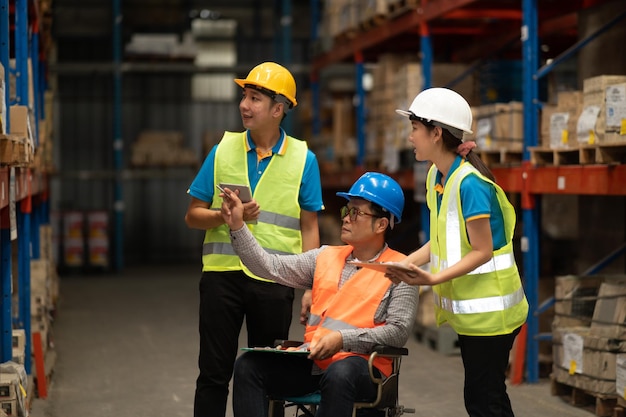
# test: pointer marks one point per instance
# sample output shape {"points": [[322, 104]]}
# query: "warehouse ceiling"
{"points": [[93, 18]]}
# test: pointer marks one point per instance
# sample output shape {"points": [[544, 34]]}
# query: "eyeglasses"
{"points": [[354, 213]]}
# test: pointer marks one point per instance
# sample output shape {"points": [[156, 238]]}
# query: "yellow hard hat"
{"points": [[273, 80]]}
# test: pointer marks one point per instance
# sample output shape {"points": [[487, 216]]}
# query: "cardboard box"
{"points": [[544, 124], [9, 407], [615, 101], [570, 102], [609, 316], [20, 121], [585, 361], [575, 300], [18, 339], [620, 379], [8, 386], [601, 82]]}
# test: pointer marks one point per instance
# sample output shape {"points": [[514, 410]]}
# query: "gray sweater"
{"points": [[397, 309]]}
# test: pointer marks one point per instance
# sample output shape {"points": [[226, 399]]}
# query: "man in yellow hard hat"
{"points": [[283, 177]]}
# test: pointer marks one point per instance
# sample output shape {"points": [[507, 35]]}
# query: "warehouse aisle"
{"points": [[127, 346]]}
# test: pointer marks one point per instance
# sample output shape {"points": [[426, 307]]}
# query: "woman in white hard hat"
{"points": [[476, 283]]}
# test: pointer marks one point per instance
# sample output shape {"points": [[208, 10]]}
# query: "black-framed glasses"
{"points": [[354, 213]]}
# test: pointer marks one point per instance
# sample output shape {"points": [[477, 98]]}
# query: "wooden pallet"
{"points": [[606, 153], [373, 22], [399, 7], [555, 157], [15, 151], [601, 405], [345, 36], [500, 157], [443, 339]]}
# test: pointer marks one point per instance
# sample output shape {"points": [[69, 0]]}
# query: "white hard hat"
{"points": [[442, 107]]}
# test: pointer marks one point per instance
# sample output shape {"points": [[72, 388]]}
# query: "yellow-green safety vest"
{"points": [[489, 300], [278, 227]]}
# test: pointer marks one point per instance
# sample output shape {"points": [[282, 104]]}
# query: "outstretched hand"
{"points": [[416, 276], [232, 209]]}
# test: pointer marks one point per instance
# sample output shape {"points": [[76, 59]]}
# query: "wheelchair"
{"points": [[386, 400]]}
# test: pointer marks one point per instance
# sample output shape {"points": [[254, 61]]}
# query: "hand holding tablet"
{"points": [[245, 195]]}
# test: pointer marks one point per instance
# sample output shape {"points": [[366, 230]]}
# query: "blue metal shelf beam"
{"points": [[530, 214], [5, 233], [18, 211]]}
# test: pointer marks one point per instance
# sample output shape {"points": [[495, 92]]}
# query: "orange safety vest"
{"points": [[352, 306]]}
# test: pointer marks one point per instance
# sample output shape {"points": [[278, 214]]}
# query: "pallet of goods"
{"points": [[589, 341]]}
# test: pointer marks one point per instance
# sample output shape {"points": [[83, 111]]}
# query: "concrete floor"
{"points": [[127, 345]]}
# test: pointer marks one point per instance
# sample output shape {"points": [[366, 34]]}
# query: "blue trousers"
{"points": [[258, 375]]}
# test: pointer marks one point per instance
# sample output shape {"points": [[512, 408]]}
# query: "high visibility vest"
{"points": [[489, 300], [278, 227], [353, 306]]}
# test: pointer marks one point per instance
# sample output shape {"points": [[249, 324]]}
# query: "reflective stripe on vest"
{"points": [[226, 248], [480, 305], [277, 192], [276, 219], [497, 263]]}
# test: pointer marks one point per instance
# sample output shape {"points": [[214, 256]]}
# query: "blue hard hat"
{"points": [[380, 189]]}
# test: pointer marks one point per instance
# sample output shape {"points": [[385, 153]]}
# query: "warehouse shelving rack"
{"points": [[529, 180], [23, 190]]}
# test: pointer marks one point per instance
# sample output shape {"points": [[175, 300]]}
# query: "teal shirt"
{"points": [[478, 198]]}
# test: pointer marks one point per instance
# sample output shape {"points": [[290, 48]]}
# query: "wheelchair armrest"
{"points": [[390, 350], [287, 343]]}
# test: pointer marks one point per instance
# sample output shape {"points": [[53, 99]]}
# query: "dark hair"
{"points": [[451, 143], [381, 213]]}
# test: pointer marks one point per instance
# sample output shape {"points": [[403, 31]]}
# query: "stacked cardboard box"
{"points": [[13, 383], [98, 238], [73, 239], [43, 279], [592, 121], [615, 102], [558, 123], [396, 80], [18, 345], [18, 146], [161, 149], [43, 160], [498, 126], [589, 332], [341, 16]]}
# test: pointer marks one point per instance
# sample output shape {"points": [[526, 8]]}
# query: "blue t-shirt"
{"points": [[478, 198], [310, 198]]}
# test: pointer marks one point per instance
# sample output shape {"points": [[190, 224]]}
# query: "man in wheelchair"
{"points": [[353, 308]]}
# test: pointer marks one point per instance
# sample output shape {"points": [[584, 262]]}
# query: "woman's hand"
{"points": [[416, 276]]}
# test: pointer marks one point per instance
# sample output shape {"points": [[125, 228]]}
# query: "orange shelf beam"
{"points": [[568, 179], [485, 14]]}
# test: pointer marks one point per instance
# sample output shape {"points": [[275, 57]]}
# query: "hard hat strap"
{"points": [[457, 133], [273, 95]]}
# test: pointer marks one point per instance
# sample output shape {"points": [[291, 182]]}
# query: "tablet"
{"points": [[382, 266], [245, 194]]}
